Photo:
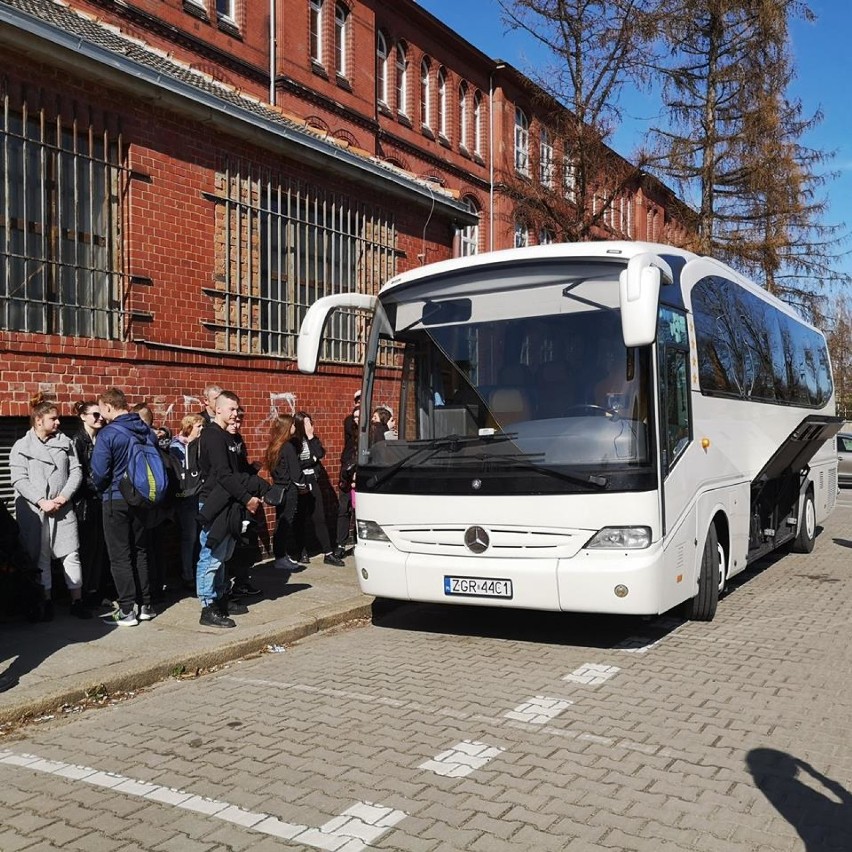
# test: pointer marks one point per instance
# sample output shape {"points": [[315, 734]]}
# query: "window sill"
{"points": [[227, 26], [402, 118], [319, 69], [384, 109], [442, 140], [478, 158], [196, 10], [463, 151], [427, 131], [343, 82]]}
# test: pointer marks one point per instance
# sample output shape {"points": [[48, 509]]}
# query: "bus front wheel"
{"points": [[710, 581], [804, 542]]}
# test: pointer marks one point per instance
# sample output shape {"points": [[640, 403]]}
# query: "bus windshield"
{"points": [[507, 403]]}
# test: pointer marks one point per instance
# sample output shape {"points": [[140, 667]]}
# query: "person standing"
{"points": [[211, 394], [45, 472], [125, 526], [184, 449], [227, 495], [311, 506], [88, 507], [348, 461], [282, 462]]}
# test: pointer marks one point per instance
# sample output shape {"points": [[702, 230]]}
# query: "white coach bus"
{"points": [[608, 427]]}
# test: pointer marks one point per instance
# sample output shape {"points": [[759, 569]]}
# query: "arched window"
{"points": [[463, 115], [522, 143], [546, 236], [545, 159], [477, 122], [382, 68], [470, 235], [425, 93], [316, 31], [401, 79], [522, 234], [443, 106], [341, 34]]}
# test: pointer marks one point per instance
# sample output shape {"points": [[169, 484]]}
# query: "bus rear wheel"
{"points": [[711, 580], [804, 541]]}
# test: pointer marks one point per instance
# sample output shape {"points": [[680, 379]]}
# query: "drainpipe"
{"points": [[272, 51], [491, 161]]}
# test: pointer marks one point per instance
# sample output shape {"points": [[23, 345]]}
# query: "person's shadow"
{"points": [[820, 810]]}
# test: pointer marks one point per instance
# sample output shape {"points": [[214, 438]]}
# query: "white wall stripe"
{"points": [[358, 826]]}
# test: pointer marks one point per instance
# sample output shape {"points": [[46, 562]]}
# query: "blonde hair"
{"points": [[188, 422]]}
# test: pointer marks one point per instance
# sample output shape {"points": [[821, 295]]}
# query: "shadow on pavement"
{"points": [[549, 628], [843, 542], [818, 807]]}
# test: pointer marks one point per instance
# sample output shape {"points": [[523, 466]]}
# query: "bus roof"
{"points": [[603, 250]]}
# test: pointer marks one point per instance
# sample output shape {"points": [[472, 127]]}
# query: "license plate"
{"points": [[478, 587]]}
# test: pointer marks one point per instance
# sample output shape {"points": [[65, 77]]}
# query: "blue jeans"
{"points": [[210, 571]]}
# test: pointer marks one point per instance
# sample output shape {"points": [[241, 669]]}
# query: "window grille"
{"points": [[60, 208], [282, 245]]}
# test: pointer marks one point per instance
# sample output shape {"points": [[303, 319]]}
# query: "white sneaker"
{"points": [[125, 619], [147, 612]]}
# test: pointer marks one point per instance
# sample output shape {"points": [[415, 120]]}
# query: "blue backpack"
{"points": [[145, 483]]}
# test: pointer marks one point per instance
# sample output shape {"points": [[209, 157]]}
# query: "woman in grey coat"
{"points": [[45, 473]]}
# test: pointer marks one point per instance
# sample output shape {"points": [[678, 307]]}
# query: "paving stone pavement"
{"points": [[660, 736]]}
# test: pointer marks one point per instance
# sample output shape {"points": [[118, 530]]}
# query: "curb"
{"points": [[316, 621]]}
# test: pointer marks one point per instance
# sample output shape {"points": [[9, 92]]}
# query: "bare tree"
{"points": [[596, 48], [839, 337]]}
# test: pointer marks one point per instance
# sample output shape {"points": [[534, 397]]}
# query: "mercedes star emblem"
{"points": [[476, 539]]}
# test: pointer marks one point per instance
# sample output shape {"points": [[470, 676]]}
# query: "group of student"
{"points": [[76, 501]]}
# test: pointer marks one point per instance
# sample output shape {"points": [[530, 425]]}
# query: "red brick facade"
{"points": [[173, 257]]}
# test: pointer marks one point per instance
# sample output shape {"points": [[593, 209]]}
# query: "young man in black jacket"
{"points": [[228, 493]]}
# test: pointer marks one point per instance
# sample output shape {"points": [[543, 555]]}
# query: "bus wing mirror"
{"points": [[639, 295], [310, 332]]}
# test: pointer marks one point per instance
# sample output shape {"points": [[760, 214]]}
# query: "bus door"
{"points": [[677, 479]]}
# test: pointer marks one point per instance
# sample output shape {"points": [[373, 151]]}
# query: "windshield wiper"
{"points": [[430, 448], [524, 462]]}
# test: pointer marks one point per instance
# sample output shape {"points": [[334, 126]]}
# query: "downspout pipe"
{"points": [[272, 51]]}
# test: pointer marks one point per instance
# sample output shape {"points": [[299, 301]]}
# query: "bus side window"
{"points": [[673, 365], [677, 404]]}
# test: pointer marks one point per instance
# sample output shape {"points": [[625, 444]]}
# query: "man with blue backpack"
{"points": [[129, 473]]}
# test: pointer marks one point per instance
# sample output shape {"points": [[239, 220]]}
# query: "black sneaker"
{"points": [[340, 551], [304, 559], [331, 559], [227, 607], [211, 617], [80, 610], [285, 563], [245, 590]]}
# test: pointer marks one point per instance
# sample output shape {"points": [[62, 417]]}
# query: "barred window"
{"points": [[59, 225], [285, 244]]}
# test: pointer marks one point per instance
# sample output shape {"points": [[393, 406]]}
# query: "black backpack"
{"points": [[189, 473]]}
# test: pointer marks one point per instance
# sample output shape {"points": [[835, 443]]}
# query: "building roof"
{"points": [[54, 32]]}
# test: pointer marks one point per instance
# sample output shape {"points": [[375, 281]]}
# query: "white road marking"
{"points": [[432, 711], [357, 827], [592, 674], [462, 759], [643, 644], [538, 710]]}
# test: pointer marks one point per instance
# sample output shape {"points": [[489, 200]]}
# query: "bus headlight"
{"points": [[370, 531], [620, 538]]}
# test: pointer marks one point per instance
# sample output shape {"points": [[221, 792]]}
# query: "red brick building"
{"points": [[182, 178]]}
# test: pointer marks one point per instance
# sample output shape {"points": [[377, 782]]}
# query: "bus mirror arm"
{"points": [[310, 332], [638, 296]]}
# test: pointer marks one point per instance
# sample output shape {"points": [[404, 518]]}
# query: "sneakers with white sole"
{"points": [[125, 619], [147, 612]]}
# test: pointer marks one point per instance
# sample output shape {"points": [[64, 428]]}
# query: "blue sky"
{"points": [[823, 56]]}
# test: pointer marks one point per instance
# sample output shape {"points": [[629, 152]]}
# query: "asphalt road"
{"points": [[456, 728]]}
